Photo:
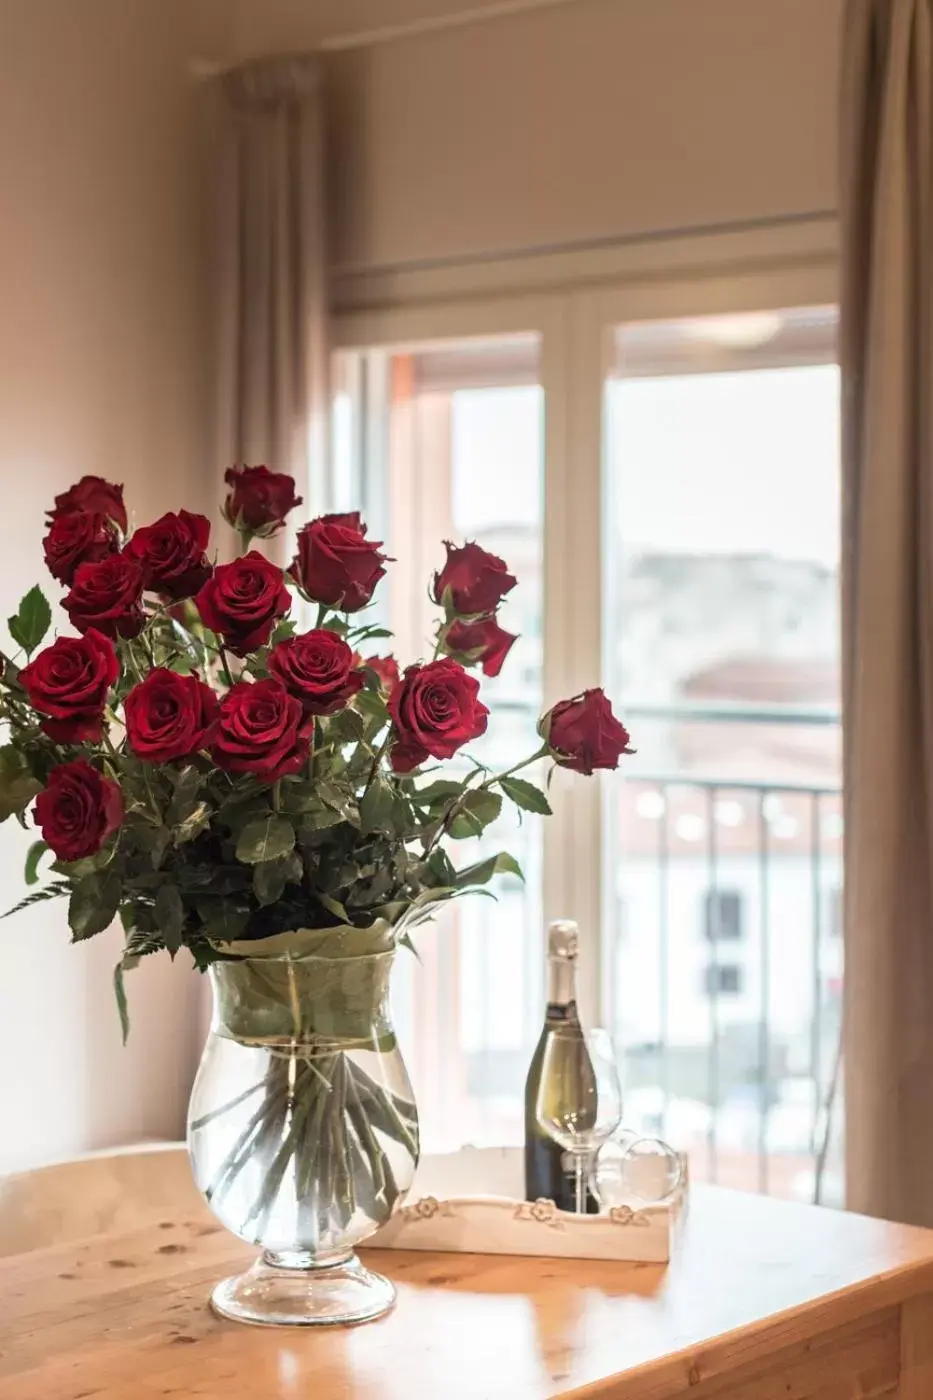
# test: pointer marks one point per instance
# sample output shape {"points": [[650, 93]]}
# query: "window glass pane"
{"points": [[724, 832], [446, 443]]}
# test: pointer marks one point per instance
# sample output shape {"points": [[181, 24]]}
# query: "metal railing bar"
{"points": [[724, 784], [664, 951], [816, 1023], [730, 713], [713, 930], [764, 1024]]}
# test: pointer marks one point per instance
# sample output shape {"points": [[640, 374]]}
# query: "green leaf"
{"points": [[525, 795], [31, 622], [193, 825], [333, 906], [35, 853], [37, 897], [271, 876], [186, 785], [93, 904], [154, 840], [221, 918], [347, 727], [119, 991], [17, 785], [283, 630], [377, 807], [267, 838], [406, 942], [372, 705], [476, 811], [170, 916], [434, 793], [484, 870]]}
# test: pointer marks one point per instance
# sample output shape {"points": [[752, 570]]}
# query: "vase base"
{"points": [[332, 1295]]}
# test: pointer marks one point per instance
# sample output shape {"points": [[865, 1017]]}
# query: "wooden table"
{"points": [[763, 1301]]}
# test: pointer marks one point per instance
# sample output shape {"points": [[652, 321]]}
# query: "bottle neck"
{"points": [[561, 983]]}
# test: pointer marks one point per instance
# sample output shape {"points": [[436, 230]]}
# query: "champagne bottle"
{"points": [[570, 1070]]}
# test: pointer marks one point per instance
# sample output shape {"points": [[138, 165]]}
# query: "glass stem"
{"points": [[579, 1183]]}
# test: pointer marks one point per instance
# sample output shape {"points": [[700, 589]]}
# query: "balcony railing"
{"points": [[724, 971]]}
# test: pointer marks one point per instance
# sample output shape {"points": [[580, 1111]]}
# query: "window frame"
{"points": [[575, 323]]}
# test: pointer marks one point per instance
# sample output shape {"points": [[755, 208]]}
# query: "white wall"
{"points": [[563, 124], [99, 364]]}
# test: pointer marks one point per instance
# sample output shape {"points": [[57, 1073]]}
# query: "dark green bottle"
{"points": [[545, 1173]]}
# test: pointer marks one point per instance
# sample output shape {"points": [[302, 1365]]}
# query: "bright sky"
{"points": [[714, 463]]}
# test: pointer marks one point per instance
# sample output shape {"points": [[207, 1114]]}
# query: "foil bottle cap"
{"points": [[563, 939]]}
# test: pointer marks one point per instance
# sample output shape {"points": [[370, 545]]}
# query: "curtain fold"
{"points": [[271, 361], [886, 353]]}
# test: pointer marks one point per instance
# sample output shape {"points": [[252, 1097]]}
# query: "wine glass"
{"points": [[630, 1168], [580, 1099]]}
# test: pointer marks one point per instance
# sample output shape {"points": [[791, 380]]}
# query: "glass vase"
{"points": [[303, 1132]]}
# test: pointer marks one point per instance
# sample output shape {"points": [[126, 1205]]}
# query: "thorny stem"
{"points": [[225, 665]]}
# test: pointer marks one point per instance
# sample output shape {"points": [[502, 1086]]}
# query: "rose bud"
{"points": [[435, 710], [93, 496], [384, 667], [583, 734], [483, 642], [68, 684], [243, 601], [76, 538], [107, 596], [318, 669], [258, 500], [336, 564], [169, 716], [473, 580], [171, 553], [77, 810], [262, 730]]}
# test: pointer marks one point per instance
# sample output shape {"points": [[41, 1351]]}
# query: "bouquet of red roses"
{"points": [[216, 757], [215, 770]]}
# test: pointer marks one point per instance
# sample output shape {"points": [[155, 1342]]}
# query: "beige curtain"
{"points": [[887, 368], [271, 287]]}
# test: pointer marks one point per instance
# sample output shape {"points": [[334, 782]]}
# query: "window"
{"points": [[455, 451], [722, 979], [661, 472], [721, 580], [723, 920]]}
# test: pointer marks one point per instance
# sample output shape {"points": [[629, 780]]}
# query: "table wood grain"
{"points": [[763, 1300]]}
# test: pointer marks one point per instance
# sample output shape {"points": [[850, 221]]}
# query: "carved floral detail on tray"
{"points": [[624, 1215], [542, 1212], [426, 1209]]}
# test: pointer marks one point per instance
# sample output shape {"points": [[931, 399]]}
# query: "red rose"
{"points": [[583, 734], [94, 496], [385, 667], [68, 682], [435, 710], [318, 669], [259, 500], [476, 580], [74, 539], [262, 730], [483, 642], [107, 595], [78, 809], [169, 716], [243, 601], [336, 563], [171, 553]]}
